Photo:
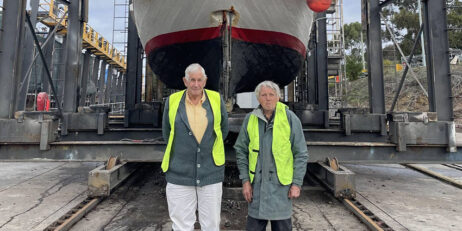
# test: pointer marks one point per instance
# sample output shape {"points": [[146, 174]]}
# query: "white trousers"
{"points": [[183, 201]]}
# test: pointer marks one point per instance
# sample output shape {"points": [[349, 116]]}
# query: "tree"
{"points": [[352, 34], [353, 45], [354, 67], [404, 17], [455, 21]]}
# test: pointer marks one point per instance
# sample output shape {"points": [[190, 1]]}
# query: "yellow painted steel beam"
{"points": [[91, 39]]}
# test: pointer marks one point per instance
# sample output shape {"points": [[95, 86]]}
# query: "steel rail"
{"points": [[66, 221], [435, 175], [366, 216]]}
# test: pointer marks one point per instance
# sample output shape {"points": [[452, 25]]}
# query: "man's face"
{"points": [[196, 83], [268, 98]]}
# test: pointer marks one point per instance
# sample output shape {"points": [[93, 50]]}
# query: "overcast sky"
{"points": [[101, 15]]}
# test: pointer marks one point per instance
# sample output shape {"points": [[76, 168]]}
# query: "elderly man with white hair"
{"points": [[271, 155], [195, 124]]}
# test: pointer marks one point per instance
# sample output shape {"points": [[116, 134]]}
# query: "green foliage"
{"points": [[404, 18], [353, 42], [387, 62], [352, 34], [455, 21], [353, 67]]}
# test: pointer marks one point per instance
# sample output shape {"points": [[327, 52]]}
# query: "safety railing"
{"points": [[100, 46], [91, 39]]}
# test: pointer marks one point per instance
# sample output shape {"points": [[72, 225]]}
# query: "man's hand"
{"points": [[294, 192], [247, 191]]}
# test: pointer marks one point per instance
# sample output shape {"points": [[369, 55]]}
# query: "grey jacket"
{"points": [[191, 163], [270, 198]]}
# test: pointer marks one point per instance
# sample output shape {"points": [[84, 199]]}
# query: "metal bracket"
{"points": [[145, 114], [30, 128], [92, 120], [340, 182], [347, 124], [363, 123], [101, 122], [45, 135], [452, 146], [401, 139], [65, 124], [313, 117], [101, 181], [405, 132]]}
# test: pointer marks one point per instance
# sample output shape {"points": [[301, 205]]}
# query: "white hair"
{"points": [[269, 84], [194, 67]]}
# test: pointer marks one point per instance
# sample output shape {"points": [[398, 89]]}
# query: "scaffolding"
{"points": [[336, 53], [120, 26]]}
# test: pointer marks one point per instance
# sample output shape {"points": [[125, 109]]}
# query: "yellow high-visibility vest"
{"points": [[218, 151], [281, 145]]}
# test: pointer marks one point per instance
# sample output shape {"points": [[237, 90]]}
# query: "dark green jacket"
{"points": [[191, 163], [270, 198]]}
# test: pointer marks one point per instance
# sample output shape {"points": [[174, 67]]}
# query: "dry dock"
{"points": [[33, 195]]}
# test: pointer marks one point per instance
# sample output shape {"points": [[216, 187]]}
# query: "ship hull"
{"points": [[268, 42]]}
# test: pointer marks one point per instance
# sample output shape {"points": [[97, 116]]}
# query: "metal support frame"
{"points": [[354, 122], [30, 127], [437, 48], [149, 83], [45, 65], [101, 181], [310, 115], [363, 143], [93, 118], [135, 112], [84, 77], [13, 19], [45, 131], [321, 62], [121, 91], [48, 53], [27, 59], [346, 152], [24, 84], [109, 80], [375, 61], [115, 86], [73, 51], [94, 78], [316, 112], [102, 76], [401, 83], [132, 66], [312, 73], [416, 128], [227, 51], [139, 72], [62, 69]]}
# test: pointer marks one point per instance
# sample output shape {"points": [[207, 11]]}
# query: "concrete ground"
{"points": [[409, 200], [33, 195]]}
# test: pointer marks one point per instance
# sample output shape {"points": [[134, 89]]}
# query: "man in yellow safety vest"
{"points": [[195, 123], [271, 155]]}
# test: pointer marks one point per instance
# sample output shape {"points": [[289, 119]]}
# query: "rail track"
{"points": [[361, 211]]}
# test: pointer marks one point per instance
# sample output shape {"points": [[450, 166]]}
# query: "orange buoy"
{"points": [[319, 5]]}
